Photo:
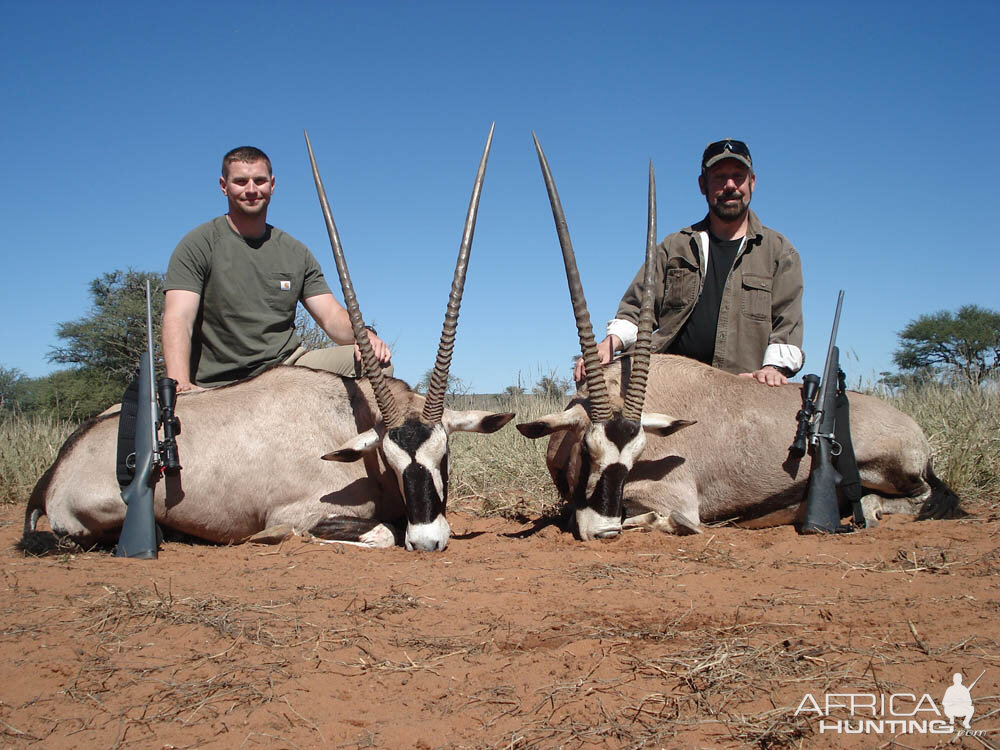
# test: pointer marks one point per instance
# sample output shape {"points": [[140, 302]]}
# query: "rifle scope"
{"points": [[166, 391], [810, 386]]}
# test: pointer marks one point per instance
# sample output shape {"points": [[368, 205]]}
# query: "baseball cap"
{"points": [[726, 149]]}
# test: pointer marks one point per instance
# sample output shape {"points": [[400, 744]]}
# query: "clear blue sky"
{"points": [[872, 125]]}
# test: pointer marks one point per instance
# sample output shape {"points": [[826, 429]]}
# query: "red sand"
{"points": [[501, 641]]}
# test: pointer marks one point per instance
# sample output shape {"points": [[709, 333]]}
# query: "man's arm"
{"points": [[331, 316], [622, 330], [180, 309], [783, 356]]}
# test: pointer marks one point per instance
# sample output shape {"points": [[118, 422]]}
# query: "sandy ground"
{"points": [[514, 637]]}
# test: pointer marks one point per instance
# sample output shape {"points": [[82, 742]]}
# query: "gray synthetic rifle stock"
{"points": [[140, 535], [818, 420]]}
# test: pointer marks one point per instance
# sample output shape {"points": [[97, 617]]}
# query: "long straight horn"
{"points": [[599, 400], [383, 396], [636, 394], [434, 402]]}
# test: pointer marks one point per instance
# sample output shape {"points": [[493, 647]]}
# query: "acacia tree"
{"points": [[12, 388], [965, 344], [109, 340], [455, 387], [551, 386], [310, 334]]}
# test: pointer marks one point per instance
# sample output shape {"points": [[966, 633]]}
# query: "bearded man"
{"points": [[728, 290]]}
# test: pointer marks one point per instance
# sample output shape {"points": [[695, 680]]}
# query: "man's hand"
{"points": [[605, 351], [768, 375], [189, 387], [381, 349]]}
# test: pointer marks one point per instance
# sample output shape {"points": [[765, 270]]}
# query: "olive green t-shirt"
{"points": [[249, 291]]}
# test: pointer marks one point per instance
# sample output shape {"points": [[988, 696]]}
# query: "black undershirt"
{"points": [[696, 339]]}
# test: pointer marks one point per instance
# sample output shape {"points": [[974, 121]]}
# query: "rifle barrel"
{"points": [[825, 382], [154, 412]]}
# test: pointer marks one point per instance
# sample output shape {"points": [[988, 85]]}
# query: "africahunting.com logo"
{"points": [[895, 713]]}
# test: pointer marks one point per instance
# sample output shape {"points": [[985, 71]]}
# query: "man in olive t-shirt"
{"points": [[232, 288]]}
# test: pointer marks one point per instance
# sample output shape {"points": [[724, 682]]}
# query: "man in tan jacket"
{"points": [[728, 289]]}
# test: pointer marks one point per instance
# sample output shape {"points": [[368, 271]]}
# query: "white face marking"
{"points": [[431, 456], [397, 458], [428, 536], [603, 453], [592, 525]]}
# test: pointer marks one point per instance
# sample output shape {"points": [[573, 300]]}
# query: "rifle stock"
{"points": [[139, 536], [822, 504]]}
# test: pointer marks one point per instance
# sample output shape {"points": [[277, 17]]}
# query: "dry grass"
{"points": [[28, 445], [963, 426], [503, 474]]}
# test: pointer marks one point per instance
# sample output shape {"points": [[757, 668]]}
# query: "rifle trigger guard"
{"points": [[835, 447], [130, 461]]}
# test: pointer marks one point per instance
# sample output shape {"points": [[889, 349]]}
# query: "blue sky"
{"points": [[871, 124]]}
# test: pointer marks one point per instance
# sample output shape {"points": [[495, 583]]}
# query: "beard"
{"points": [[731, 211]]}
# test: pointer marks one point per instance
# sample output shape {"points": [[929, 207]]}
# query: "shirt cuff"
{"points": [[785, 356], [625, 330]]}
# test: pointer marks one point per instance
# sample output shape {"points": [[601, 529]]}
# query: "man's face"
{"points": [[728, 186], [248, 186]]}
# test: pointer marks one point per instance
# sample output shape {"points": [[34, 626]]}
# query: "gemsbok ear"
{"points": [[484, 422], [355, 448], [571, 419], [663, 424]]}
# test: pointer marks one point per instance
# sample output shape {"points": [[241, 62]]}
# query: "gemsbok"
{"points": [[616, 461]]}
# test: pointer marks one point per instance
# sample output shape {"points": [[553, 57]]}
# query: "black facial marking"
{"points": [[410, 435], [607, 497], [621, 431], [423, 504], [580, 491]]}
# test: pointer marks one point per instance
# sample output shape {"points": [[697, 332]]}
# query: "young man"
{"points": [[232, 288], [728, 289]]}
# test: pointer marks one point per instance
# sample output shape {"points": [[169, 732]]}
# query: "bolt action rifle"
{"points": [[824, 424], [142, 456]]}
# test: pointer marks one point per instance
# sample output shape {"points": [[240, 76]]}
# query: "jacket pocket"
{"points": [[680, 289], [756, 293]]}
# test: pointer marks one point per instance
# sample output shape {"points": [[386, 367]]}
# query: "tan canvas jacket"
{"points": [[760, 318]]}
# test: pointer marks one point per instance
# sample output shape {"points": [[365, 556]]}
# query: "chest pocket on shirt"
{"points": [[680, 289], [281, 290], [756, 302]]}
